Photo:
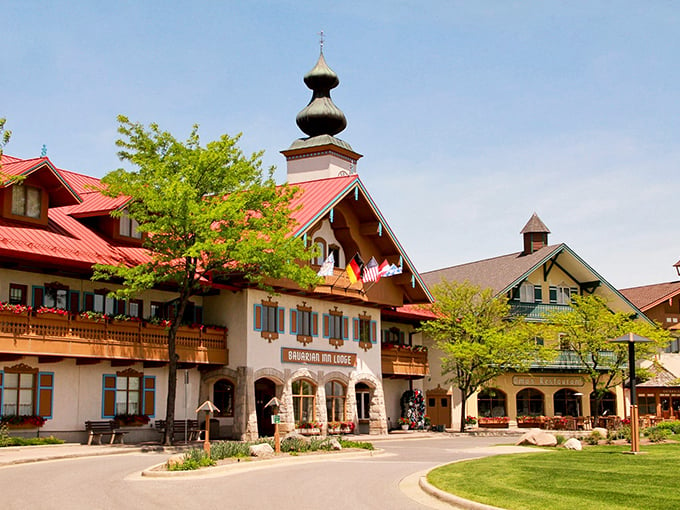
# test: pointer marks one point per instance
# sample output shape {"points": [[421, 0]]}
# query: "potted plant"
{"points": [[347, 427], [470, 421], [405, 423]]}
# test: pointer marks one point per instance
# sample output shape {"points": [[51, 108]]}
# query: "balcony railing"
{"points": [[66, 335], [536, 311], [404, 361]]}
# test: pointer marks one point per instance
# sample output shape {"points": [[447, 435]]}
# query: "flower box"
{"points": [[499, 422], [494, 425], [309, 432]]}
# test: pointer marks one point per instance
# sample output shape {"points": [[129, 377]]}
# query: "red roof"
{"points": [[316, 197], [648, 296]]}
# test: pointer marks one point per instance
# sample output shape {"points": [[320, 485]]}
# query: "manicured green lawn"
{"points": [[599, 477]]}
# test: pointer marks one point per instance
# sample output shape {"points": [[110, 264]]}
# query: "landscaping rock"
{"points": [[573, 444], [601, 430], [296, 436], [335, 444], [537, 437], [261, 450]]}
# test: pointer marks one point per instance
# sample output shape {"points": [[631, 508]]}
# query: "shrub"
{"points": [[193, 459], [657, 434], [593, 438], [226, 449], [356, 444], [560, 439], [620, 433], [673, 426]]}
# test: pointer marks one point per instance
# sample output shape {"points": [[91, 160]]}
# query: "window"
{"points": [[365, 331], [647, 404], [304, 323], [26, 201], [526, 293], [335, 326], [103, 303], [567, 403], [25, 392], [128, 227], [269, 319], [335, 401], [491, 402], [321, 246], [673, 346], [562, 295], [223, 397], [55, 297], [128, 392], [607, 405], [157, 310], [135, 308], [303, 401], [393, 336], [565, 345], [529, 402], [17, 294]]}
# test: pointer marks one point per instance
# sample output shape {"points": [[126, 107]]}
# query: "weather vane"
{"points": [[321, 40], [43, 151]]}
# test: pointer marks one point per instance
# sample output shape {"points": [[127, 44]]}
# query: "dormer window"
{"points": [[26, 201], [128, 227]]}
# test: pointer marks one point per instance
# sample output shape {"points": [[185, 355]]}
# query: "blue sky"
{"points": [[470, 115]]}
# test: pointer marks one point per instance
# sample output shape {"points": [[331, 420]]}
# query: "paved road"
{"points": [[114, 482]]}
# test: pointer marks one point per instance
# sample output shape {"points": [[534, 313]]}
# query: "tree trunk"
{"points": [[462, 411], [172, 371]]}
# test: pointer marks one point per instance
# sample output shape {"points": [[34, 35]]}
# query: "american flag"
{"points": [[370, 271]]}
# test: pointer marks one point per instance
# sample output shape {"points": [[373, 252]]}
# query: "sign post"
{"points": [[275, 403], [209, 408]]}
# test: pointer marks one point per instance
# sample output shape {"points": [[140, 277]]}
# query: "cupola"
{"points": [[535, 235], [321, 155]]}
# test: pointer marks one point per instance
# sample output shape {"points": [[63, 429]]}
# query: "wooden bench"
{"points": [[180, 426], [97, 429]]}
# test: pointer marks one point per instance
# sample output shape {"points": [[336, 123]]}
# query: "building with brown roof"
{"points": [[539, 279]]}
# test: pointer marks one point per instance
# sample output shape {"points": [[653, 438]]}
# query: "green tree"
{"points": [[586, 329], [5, 135], [204, 212], [477, 337]]}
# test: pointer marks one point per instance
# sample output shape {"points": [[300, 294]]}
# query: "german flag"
{"points": [[354, 268]]}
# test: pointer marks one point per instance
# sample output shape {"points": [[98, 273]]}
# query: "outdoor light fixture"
{"points": [[631, 339]]}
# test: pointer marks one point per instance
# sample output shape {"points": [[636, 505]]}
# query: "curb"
{"points": [[452, 499], [74, 455], [249, 464]]}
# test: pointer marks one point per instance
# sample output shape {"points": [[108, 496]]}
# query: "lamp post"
{"points": [[275, 404], [631, 339]]}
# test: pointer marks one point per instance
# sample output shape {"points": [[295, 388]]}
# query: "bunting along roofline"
{"points": [[336, 195]]}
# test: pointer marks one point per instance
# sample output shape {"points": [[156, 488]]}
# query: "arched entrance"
{"points": [[265, 390], [363, 393], [567, 402]]}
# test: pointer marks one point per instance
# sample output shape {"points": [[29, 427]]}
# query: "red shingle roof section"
{"points": [[648, 296]]}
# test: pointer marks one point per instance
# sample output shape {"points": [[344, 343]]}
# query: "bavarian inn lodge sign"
{"points": [[309, 357]]}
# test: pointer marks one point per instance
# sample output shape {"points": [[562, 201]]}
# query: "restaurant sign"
{"points": [[309, 357], [547, 380]]}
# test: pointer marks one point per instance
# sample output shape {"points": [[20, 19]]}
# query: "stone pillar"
{"points": [[320, 401], [378, 416], [246, 426]]}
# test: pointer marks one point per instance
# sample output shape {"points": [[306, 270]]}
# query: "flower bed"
{"points": [[530, 422], [497, 422], [131, 420], [22, 422]]}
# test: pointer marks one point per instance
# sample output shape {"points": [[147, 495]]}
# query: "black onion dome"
{"points": [[321, 116]]}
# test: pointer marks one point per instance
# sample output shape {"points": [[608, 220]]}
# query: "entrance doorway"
{"points": [[363, 393], [439, 407], [265, 390]]}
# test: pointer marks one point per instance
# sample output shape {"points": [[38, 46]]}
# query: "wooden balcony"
{"points": [[404, 362], [66, 336]]}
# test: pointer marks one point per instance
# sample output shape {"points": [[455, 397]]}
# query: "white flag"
{"points": [[327, 266]]}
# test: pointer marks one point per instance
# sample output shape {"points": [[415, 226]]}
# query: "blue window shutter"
{"points": [[345, 327], [37, 296], [45, 394], [293, 322], [315, 324], [355, 327], [326, 325], [374, 329], [553, 294], [281, 320], [257, 317], [149, 395], [108, 396]]}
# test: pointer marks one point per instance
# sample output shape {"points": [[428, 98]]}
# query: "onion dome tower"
{"points": [[321, 155]]}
